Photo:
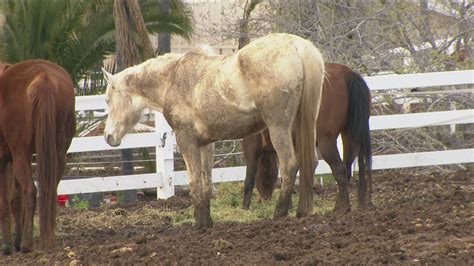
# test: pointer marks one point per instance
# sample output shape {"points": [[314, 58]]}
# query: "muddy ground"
{"points": [[425, 218]]}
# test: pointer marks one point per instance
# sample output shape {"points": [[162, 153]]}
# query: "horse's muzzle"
{"points": [[110, 140]]}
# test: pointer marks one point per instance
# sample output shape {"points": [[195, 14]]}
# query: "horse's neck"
{"points": [[144, 83]]}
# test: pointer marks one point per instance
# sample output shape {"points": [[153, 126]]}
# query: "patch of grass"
{"points": [[226, 206], [323, 206], [79, 204], [327, 180], [182, 216]]}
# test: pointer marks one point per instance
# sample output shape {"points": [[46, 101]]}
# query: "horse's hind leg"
{"points": [[327, 146], [16, 207], [351, 148], [5, 213], [18, 214], [23, 175], [283, 144], [250, 154]]}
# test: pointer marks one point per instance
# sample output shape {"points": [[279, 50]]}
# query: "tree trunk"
{"points": [[128, 17], [127, 49], [164, 38], [244, 37], [137, 19]]}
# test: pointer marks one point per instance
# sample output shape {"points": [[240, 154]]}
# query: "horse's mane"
{"points": [[165, 59], [203, 49]]}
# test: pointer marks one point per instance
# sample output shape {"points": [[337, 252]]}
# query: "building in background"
{"points": [[210, 18]]}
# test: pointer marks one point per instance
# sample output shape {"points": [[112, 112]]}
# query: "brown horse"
{"points": [[345, 109], [36, 116]]}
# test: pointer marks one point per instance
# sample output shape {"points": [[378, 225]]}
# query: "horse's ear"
{"points": [[108, 77]]}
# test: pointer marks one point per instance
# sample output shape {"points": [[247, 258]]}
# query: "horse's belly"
{"points": [[228, 124]]}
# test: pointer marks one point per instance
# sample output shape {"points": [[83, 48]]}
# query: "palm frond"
{"points": [[76, 34]]}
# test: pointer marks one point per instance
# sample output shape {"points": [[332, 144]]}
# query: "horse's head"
{"points": [[124, 106]]}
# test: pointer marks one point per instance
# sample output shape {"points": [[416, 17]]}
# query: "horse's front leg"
{"points": [[199, 162]]}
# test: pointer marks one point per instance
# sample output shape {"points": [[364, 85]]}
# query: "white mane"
{"points": [[152, 63], [207, 49]]}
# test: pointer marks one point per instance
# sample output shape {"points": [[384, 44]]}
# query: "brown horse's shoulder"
{"points": [[3, 68]]}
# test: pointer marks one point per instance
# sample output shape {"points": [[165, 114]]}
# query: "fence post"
{"points": [[164, 156]]}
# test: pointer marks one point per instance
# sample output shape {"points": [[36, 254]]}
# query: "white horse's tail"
{"points": [[305, 126]]}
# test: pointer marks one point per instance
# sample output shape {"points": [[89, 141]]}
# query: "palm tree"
{"points": [[164, 38], [76, 34], [131, 35], [125, 14]]}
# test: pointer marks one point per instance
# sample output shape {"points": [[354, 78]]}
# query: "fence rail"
{"points": [[165, 178]]}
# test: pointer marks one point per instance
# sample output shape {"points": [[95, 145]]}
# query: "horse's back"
{"points": [[21, 74], [276, 59], [20, 79], [24, 82]]}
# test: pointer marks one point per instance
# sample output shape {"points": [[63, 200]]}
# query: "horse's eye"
{"points": [[107, 101]]}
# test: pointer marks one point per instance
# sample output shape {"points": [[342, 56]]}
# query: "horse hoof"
{"points": [[366, 206], [342, 210], [246, 205], [17, 245], [301, 214], [342, 206], [370, 206], [204, 224], [6, 250], [26, 249], [279, 214]]}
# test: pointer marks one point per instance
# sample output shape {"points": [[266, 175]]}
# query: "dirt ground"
{"points": [[425, 219]]}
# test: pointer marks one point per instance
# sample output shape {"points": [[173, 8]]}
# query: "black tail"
{"points": [[358, 118]]}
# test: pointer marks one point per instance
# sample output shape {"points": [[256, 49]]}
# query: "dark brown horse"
{"points": [[345, 110], [36, 116]]}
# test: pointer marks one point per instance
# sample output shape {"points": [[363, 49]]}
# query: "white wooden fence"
{"points": [[165, 178]]}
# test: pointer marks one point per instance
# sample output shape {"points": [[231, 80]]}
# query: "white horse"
{"points": [[275, 82]]}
